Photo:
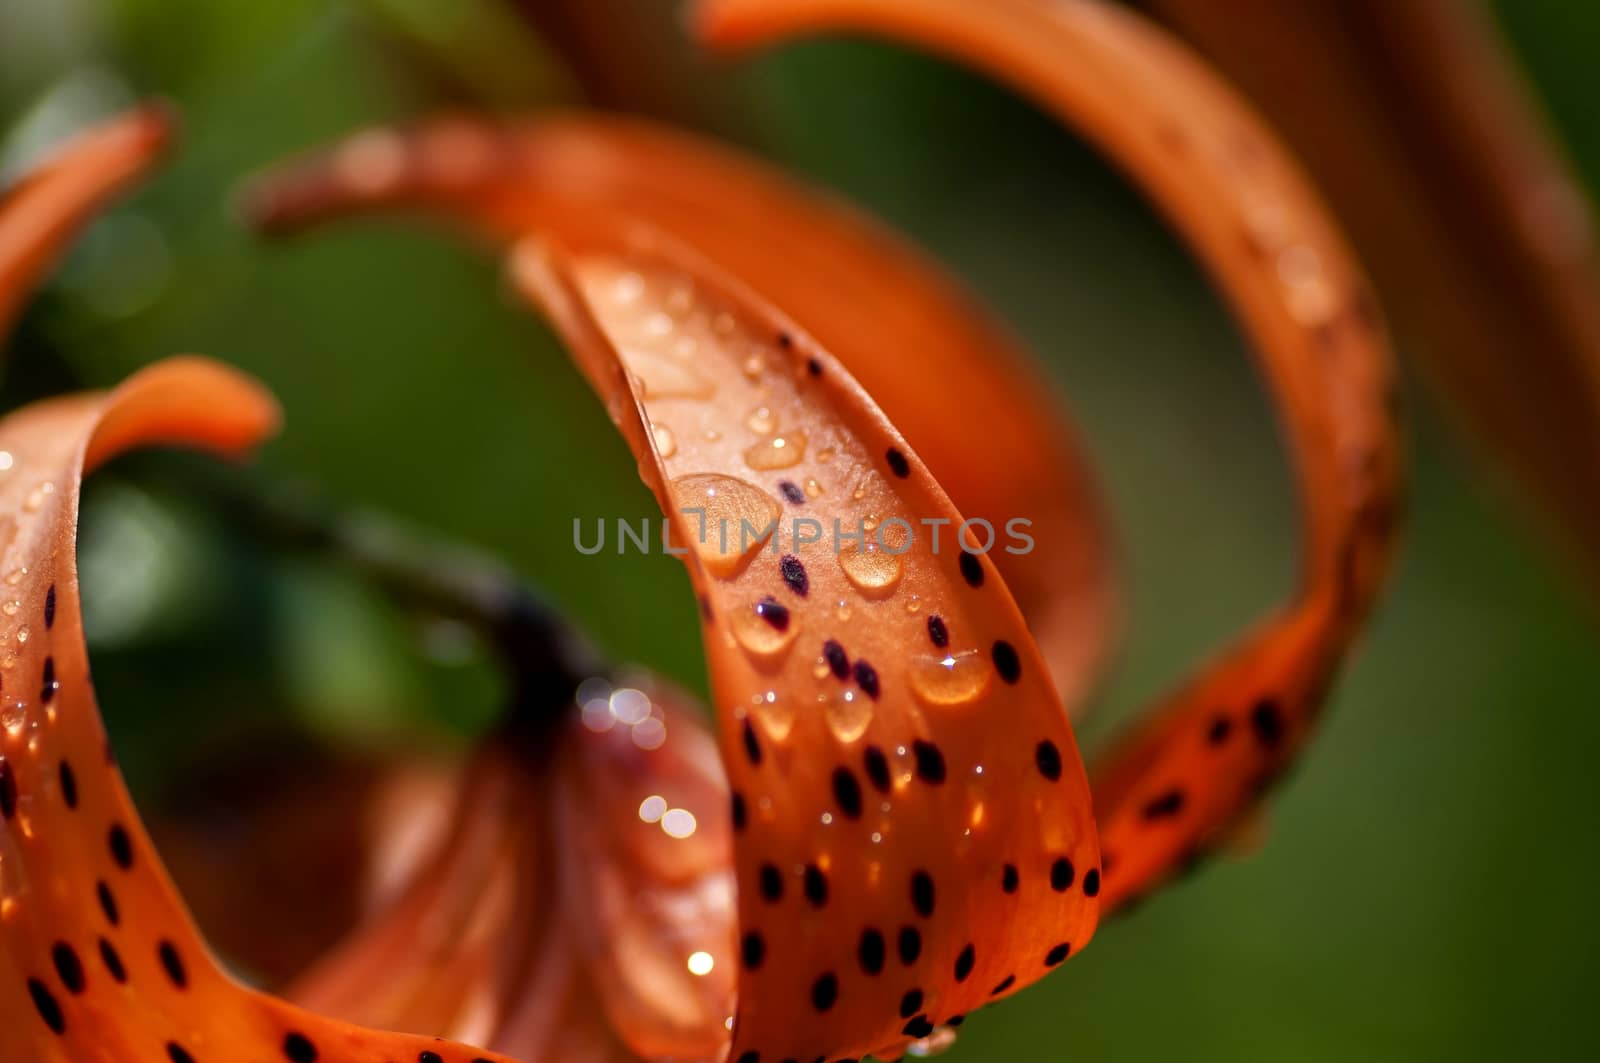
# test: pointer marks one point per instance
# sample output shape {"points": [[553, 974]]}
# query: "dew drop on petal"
{"points": [[779, 452], [666, 442], [776, 714], [762, 421], [649, 733], [630, 706], [678, 823], [849, 713], [936, 1043], [759, 637], [738, 517], [652, 808], [871, 569], [953, 679], [14, 717]]}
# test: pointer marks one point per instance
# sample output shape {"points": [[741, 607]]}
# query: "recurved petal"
{"points": [[1225, 183], [911, 818], [1480, 238], [42, 211], [954, 381], [100, 958]]}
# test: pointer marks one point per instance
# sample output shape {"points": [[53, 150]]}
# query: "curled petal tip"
{"points": [[188, 398]]}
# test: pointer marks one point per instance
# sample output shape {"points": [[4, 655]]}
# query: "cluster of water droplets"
{"points": [[602, 709]]}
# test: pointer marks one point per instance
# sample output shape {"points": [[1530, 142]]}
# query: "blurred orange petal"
{"points": [[46, 208], [1481, 240]]}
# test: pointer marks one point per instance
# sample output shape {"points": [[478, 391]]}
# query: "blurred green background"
{"points": [[1426, 893]]}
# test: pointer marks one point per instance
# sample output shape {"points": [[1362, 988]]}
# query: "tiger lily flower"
{"points": [[891, 825]]}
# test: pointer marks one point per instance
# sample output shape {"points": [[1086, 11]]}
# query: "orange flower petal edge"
{"points": [[911, 820], [1208, 163], [44, 210], [950, 377]]}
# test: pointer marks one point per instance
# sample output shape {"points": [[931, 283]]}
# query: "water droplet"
{"points": [[860, 492], [22, 633], [1312, 299], [779, 452], [849, 712], [821, 669], [16, 575], [681, 298], [913, 605], [762, 639], [662, 378], [6, 460], [813, 489], [842, 610], [775, 714], [666, 442], [871, 569], [14, 717], [762, 421], [11, 607], [752, 367], [936, 1043], [652, 808], [953, 679], [678, 823], [627, 288], [630, 706], [649, 733], [738, 517], [701, 963]]}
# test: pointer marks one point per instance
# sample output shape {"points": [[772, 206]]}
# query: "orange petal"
{"points": [[911, 818], [585, 887], [43, 211], [644, 836], [1479, 237], [953, 380], [1251, 217], [100, 959]]}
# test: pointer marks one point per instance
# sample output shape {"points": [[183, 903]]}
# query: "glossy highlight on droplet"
{"points": [[951, 679], [779, 452], [871, 569], [727, 519]]}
